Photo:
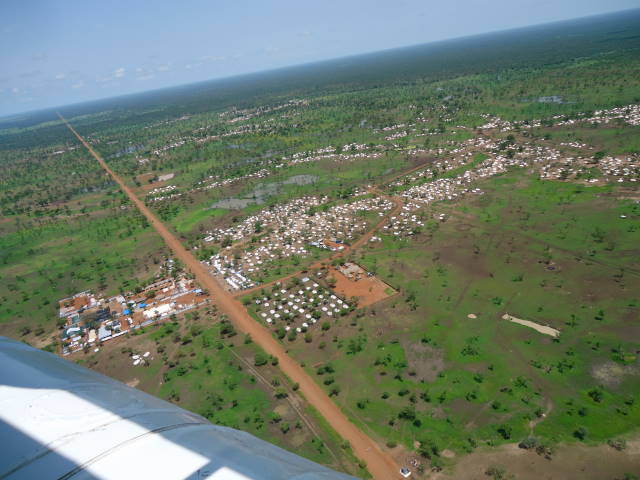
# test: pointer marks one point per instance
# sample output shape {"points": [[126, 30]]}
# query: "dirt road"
{"points": [[379, 463]]}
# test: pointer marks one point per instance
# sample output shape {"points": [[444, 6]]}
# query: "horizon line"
{"points": [[10, 116]]}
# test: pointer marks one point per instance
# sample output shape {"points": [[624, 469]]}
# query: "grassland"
{"points": [[426, 372]]}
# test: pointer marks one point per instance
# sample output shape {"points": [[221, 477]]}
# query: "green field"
{"points": [[429, 373]]}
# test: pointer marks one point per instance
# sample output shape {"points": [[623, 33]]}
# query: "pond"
{"points": [[262, 192]]}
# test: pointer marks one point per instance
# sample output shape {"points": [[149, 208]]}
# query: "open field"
{"points": [[573, 462], [478, 266]]}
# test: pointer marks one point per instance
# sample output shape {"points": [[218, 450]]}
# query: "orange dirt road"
{"points": [[379, 463]]}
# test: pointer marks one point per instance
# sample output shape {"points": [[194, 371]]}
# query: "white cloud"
{"points": [[212, 58], [79, 84], [15, 90], [39, 57], [163, 68], [143, 73], [60, 76], [119, 72]]}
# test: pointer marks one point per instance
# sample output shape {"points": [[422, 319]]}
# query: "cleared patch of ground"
{"points": [[612, 374], [368, 290], [574, 462], [536, 326], [426, 360]]}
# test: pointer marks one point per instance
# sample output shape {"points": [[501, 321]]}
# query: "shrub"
{"points": [[619, 444], [497, 473], [596, 395], [408, 413], [580, 433], [505, 431], [260, 359], [528, 443], [275, 417]]}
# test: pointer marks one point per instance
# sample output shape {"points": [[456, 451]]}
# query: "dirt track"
{"points": [[379, 463]]}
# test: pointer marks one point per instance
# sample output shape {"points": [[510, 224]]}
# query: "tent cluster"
{"points": [[300, 306], [629, 114], [353, 151], [162, 193], [290, 230], [235, 115], [213, 182]]}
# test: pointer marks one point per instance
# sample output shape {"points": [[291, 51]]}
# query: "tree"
{"points": [[407, 413], [497, 473], [505, 431], [528, 443], [429, 449], [580, 433], [260, 359], [596, 395]]}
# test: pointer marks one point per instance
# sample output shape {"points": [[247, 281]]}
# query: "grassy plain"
{"points": [[429, 373]]}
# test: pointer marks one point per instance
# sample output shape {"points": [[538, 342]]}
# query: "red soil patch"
{"points": [[369, 290], [334, 246], [147, 187]]}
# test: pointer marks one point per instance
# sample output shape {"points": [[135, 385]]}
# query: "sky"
{"points": [[68, 51]]}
